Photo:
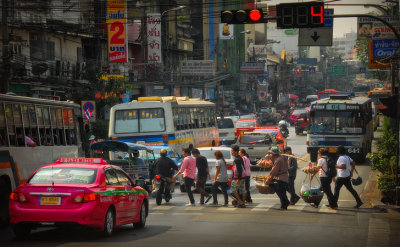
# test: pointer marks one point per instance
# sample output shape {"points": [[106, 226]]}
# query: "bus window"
{"points": [[126, 121], [10, 125], [3, 133], [322, 121], [349, 122], [151, 120]]}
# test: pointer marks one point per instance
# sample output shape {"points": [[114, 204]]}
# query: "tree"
{"points": [[361, 47]]}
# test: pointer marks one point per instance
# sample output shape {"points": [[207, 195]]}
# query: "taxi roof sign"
{"points": [[81, 160]]}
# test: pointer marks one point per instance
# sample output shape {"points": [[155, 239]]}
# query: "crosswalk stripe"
{"points": [[196, 208], [262, 207], [226, 209]]}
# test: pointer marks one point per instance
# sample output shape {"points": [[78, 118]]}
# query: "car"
{"points": [[246, 124], [257, 144], [296, 114], [208, 153], [78, 191], [226, 128]]}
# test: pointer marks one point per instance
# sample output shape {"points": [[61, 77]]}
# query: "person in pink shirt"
{"points": [[246, 162], [188, 169]]}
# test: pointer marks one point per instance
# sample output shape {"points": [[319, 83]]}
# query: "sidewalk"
{"points": [[384, 228]]}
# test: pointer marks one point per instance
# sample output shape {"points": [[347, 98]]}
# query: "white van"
{"points": [[226, 128]]}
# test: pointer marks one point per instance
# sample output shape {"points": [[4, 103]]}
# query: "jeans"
{"points": [[291, 189], [224, 188], [326, 187], [200, 187], [347, 183], [188, 185], [247, 185], [280, 189]]}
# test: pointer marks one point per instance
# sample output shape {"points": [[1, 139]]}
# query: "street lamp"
{"points": [[173, 9]]}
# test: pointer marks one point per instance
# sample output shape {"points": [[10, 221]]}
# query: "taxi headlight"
{"points": [[314, 143]]}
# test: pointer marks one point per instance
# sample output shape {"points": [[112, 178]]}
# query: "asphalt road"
{"points": [[259, 224]]}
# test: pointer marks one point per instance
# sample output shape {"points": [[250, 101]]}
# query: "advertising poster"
{"points": [[117, 31], [225, 31]]}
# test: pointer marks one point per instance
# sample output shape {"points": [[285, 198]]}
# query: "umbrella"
{"points": [[293, 96]]}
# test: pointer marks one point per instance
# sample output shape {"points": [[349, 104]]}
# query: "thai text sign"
{"points": [[154, 37], [116, 22], [384, 48], [197, 67]]}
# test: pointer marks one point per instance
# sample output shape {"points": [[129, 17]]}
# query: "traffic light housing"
{"points": [[390, 106], [243, 16], [300, 15], [298, 70]]}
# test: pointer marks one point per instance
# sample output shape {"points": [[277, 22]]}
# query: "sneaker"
{"points": [[313, 205], [214, 204], [208, 199], [359, 204], [191, 204], [225, 204], [283, 209]]}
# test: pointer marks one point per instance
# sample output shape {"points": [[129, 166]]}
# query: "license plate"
{"points": [[332, 150], [48, 200]]}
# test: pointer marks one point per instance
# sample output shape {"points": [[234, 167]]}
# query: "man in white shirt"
{"points": [[345, 167]]}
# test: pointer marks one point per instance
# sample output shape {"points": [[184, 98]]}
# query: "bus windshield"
{"points": [[340, 122]]}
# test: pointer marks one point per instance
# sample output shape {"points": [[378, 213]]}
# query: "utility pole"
{"points": [[6, 55]]}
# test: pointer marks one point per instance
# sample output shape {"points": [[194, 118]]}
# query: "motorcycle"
{"points": [[283, 128], [163, 187]]}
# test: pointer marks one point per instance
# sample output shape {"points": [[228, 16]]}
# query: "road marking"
{"points": [[156, 213], [226, 209], [191, 208], [325, 209], [163, 207], [194, 214], [263, 208]]}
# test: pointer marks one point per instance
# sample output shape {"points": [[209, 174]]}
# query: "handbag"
{"points": [[356, 181]]}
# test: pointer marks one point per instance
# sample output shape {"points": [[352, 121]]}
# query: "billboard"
{"points": [[369, 28], [117, 31], [154, 37], [379, 50]]}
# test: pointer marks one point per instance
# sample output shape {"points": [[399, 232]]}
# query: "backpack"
{"points": [[331, 172]]}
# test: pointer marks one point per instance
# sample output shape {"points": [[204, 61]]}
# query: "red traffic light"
{"points": [[298, 70], [243, 16], [255, 15]]}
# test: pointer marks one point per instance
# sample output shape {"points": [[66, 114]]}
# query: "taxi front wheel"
{"points": [[142, 221], [21, 231], [109, 223]]}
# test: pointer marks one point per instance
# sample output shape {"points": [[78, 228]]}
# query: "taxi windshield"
{"points": [[245, 124], [64, 175]]}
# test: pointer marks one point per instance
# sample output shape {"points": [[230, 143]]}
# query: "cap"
{"points": [[274, 150], [91, 138], [163, 151]]}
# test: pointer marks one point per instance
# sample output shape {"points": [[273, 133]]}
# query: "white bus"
{"points": [[341, 120], [178, 122], [33, 132]]}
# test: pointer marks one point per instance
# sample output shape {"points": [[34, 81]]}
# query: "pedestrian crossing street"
{"points": [[270, 205]]}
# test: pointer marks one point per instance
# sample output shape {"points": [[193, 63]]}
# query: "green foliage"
{"points": [[362, 51], [100, 129], [386, 184], [384, 159], [107, 91]]}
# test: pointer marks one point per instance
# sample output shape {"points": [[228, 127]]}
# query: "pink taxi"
{"points": [[81, 191]]}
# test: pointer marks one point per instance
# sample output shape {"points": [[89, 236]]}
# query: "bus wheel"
{"points": [[5, 190]]}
